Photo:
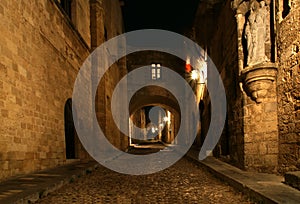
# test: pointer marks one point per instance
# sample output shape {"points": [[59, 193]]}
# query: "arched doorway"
{"points": [[69, 131]]}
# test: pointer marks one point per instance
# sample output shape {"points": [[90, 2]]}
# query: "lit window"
{"points": [[158, 73], [155, 71]]}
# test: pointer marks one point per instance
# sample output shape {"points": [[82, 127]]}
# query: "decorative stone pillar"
{"points": [[97, 38], [258, 82], [97, 23], [110, 78]]}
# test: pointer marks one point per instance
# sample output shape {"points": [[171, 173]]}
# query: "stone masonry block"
{"points": [[262, 148], [297, 127], [4, 113], [1, 10], [297, 115], [251, 148]]}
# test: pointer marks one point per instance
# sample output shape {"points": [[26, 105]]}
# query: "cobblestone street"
{"points": [[184, 182]]}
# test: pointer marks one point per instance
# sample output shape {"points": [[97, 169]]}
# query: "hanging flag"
{"points": [[188, 67]]}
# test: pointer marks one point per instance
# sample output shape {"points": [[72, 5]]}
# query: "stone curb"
{"points": [[34, 194], [253, 195], [44, 192], [259, 187]]}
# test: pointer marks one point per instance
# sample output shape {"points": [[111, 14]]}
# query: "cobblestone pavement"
{"points": [[184, 182]]}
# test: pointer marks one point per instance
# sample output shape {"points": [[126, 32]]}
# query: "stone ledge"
{"points": [[257, 80]]}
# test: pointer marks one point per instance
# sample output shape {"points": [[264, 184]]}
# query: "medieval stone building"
{"points": [[254, 44], [43, 44], [258, 60]]}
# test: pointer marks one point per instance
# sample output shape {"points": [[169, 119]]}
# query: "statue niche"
{"points": [[257, 33], [258, 72]]}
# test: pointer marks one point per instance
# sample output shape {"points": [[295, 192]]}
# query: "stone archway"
{"points": [[154, 96]]}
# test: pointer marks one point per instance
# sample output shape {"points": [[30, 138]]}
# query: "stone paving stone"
{"points": [[184, 182]]}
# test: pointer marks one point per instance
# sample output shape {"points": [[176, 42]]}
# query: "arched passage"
{"points": [[166, 124], [69, 130]]}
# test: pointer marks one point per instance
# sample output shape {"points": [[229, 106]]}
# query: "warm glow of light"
{"points": [[153, 130], [195, 75], [166, 119], [155, 65], [188, 60]]}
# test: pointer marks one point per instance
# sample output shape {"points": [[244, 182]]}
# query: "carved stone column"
{"points": [[258, 73]]}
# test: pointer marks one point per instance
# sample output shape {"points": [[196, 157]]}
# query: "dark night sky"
{"points": [[173, 15]]}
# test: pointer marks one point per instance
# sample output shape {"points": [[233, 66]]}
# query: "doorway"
{"points": [[69, 130]]}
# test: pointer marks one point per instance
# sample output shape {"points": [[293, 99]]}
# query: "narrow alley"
{"points": [[160, 101]]}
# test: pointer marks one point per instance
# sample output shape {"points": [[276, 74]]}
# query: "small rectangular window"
{"points": [[158, 73], [155, 71]]}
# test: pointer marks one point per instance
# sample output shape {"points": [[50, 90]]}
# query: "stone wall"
{"points": [[40, 56], [259, 112], [250, 135], [261, 133], [154, 95], [138, 118], [220, 36], [110, 12], [288, 87], [41, 51]]}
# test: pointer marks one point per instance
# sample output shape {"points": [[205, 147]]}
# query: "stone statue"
{"points": [[251, 32], [256, 33]]}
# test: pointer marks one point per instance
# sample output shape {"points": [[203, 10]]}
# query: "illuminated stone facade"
{"points": [[42, 46]]}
